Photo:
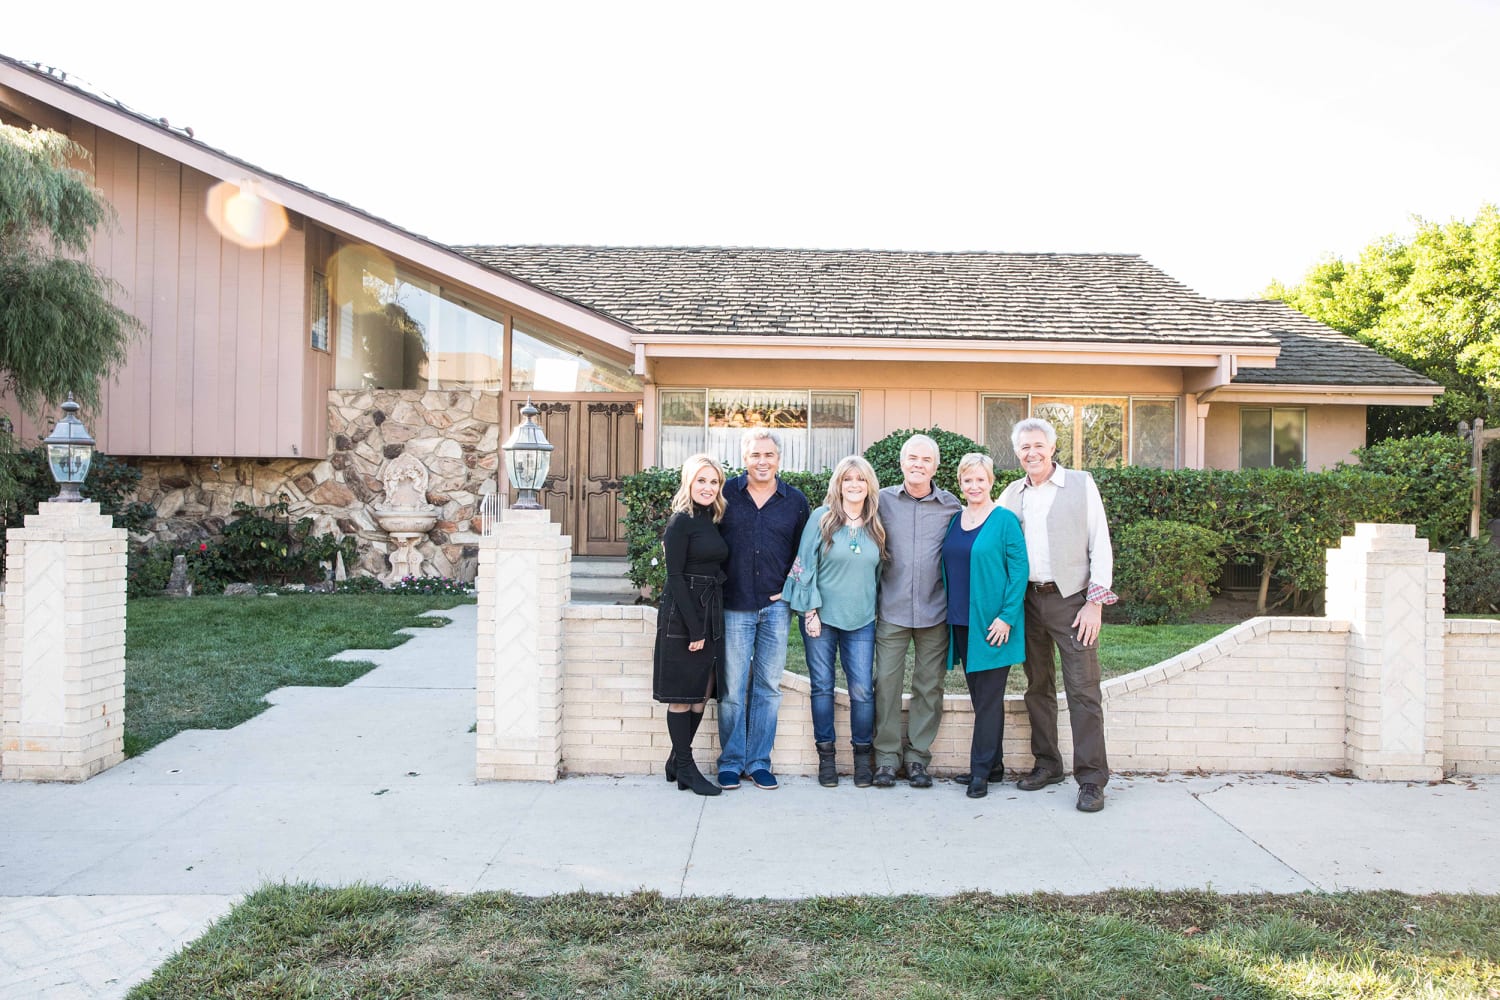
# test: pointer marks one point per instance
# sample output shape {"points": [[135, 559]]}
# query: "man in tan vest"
{"points": [[1072, 567]]}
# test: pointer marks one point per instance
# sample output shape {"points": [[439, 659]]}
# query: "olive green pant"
{"points": [[926, 709]]}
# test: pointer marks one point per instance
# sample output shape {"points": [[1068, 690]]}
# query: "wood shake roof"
{"points": [[1030, 297]]}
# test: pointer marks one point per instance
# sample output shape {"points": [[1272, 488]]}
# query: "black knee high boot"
{"points": [[671, 768], [681, 726]]}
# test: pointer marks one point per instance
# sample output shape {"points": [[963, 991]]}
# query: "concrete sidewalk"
{"points": [[374, 782]]}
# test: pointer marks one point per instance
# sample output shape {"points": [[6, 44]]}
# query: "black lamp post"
{"points": [[527, 457], [69, 452]]}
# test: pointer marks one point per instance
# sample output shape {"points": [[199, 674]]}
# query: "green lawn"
{"points": [[1123, 649], [297, 941], [206, 662]]}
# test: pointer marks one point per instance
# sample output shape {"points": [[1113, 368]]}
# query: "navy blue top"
{"points": [[762, 542], [957, 545]]}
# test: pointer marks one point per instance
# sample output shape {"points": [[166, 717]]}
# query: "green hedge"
{"points": [[1167, 569], [1284, 519]]}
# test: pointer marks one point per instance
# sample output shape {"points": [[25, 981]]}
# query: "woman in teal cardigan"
{"points": [[984, 564]]}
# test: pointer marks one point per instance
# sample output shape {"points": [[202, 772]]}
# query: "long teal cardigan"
{"points": [[997, 589]]}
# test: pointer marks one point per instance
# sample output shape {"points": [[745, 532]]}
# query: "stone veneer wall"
{"points": [[455, 433], [1471, 697]]}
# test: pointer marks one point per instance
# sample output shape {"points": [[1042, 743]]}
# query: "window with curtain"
{"points": [[1091, 431], [816, 429]]}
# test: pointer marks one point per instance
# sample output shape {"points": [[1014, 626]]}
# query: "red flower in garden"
{"points": [[202, 546]]}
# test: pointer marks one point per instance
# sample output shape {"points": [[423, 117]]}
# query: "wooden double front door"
{"points": [[595, 445]]}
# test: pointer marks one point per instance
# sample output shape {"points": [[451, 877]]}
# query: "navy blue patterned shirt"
{"points": [[762, 542]]}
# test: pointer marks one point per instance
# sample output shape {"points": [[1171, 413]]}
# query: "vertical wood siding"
{"points": [[223, 368]]}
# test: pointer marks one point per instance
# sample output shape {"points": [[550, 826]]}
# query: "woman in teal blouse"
{"points": [[984, 564], [832, 585]]}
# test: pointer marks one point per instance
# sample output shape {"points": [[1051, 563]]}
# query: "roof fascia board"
{"points": [[886, 349], [606, 331], [1367, 395]]}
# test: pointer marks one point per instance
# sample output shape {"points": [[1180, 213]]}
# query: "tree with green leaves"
{"points": [[59, 330], [1430, 301]]}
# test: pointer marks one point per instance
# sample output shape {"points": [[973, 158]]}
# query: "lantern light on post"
{"points": [[527, 457], [69, 452]]}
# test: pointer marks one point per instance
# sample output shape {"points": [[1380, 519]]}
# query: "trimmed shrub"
{"points": [[1164, 570], [108, 483], [1438, 482], [1473, 578], [885, 456], [147, 571], [263, 545]]}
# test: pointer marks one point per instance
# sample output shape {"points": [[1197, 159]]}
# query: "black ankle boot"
{"points": [[689, 777], [864, 765], [828, 768]]}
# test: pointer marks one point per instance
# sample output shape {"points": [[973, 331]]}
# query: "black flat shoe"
{"points": [[978, 789]]}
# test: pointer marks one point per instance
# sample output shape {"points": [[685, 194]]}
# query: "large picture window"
{"points": [[398, 331], [816, 428], [1273, 437], [1091, 431], [540, 363]]}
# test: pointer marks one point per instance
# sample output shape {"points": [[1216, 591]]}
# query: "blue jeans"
{"points": [[855, 649], [754, 658]]}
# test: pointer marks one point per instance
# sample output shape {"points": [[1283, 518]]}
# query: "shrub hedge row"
{"points": [[1281, 519]]}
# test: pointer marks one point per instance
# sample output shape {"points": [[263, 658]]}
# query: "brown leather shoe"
{"points": [[1090, 797], [916, 773], [1037, 779]]}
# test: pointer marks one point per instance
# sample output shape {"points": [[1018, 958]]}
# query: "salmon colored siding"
{"points": [[224, 368]]}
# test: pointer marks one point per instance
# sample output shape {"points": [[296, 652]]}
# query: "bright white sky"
{"points": [[1227, 142]]}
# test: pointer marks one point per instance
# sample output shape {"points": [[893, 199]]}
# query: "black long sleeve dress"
{"points": [[692, 608]]}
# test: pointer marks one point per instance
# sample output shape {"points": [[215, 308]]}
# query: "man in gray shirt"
{"points": [[912, 611]]}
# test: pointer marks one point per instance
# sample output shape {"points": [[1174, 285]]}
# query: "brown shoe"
{"points": [[916, 773], [1090, 797], [1037, 779]]}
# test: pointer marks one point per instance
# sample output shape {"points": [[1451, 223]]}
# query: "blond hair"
{"points": [[835, 518], [975, 460], [682, 500]]}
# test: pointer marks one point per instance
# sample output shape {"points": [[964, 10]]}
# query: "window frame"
{"points": [[1272, 411], [704, 391], [1077, 399]]}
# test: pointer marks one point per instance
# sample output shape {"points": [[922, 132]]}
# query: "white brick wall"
{"points": [[1471, 696]]}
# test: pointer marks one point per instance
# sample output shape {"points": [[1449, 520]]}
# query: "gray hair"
{"points": [[1032, 424], [755, 434], [922, 440]]}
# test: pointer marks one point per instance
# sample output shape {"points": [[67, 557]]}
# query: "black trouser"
{"points": [[987, 692]]}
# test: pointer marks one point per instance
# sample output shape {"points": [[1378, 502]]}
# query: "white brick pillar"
{"points": [[63, 679], [1389, 587], [523, 586]]}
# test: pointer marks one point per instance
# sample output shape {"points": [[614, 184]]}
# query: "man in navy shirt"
{"points": [[763, 522]]}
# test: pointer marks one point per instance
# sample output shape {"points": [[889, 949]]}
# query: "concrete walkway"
{"points": [[100, 882]]}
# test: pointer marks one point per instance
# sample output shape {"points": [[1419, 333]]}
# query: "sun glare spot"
{"points": [[245, 217]]}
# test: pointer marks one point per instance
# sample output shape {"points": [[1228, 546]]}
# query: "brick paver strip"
{"points": [[114, 942]]}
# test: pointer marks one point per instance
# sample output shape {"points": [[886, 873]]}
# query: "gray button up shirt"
{"points": [[911, 585]]}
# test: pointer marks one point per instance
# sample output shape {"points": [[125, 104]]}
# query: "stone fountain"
{"points": [[406, 515]]}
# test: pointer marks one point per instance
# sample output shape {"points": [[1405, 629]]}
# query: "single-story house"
{"points": [[296, 345]]}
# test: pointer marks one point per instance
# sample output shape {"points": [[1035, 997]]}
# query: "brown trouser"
{"points": [[1049, 620]]}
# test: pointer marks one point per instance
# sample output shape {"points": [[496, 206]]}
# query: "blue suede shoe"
{"points": [[729, 780], [763, 779]]}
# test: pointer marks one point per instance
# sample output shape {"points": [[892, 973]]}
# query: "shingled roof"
{"points": [[1311, 352], [1102, 298], [1110, 298]]}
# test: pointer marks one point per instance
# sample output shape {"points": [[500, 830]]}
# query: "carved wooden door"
{"points": [[609, 448]]}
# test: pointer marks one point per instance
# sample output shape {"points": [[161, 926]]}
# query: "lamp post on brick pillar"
{"points": [[62, 683], [1389, 587], [523, 585]]}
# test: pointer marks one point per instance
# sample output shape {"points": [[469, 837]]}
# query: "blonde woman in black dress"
{"points": [[690, 621]]}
